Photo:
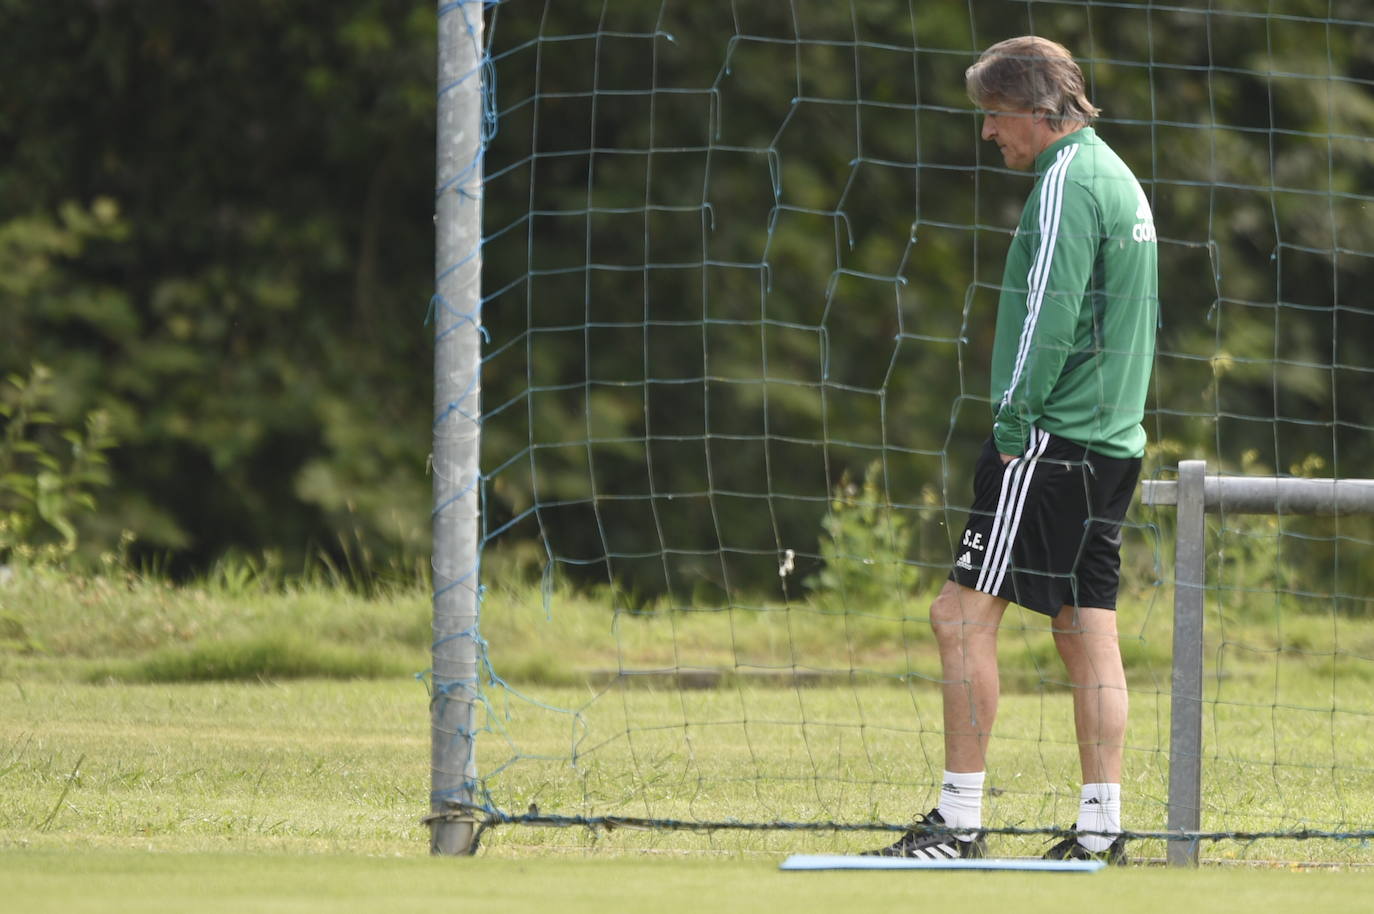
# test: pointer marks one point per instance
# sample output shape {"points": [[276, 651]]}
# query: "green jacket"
{"points": [[1079, 305]]}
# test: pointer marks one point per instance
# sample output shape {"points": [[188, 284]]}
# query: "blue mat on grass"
{"points": [[1023, 864]]}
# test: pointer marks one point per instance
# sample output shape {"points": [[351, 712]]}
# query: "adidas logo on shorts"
{"points": [[965, 561]]}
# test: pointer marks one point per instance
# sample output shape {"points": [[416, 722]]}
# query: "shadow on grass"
{"points": [[261, 658]]}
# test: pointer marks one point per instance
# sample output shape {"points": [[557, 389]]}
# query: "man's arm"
{"points": [[1064, 247]]}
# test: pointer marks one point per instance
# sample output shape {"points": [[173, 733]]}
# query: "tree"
{"points": [[254, 325]]}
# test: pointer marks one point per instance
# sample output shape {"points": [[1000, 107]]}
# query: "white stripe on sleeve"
{"points": [[1037, 280]]}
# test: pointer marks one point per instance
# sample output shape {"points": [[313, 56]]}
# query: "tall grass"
{"points": [[248, 620], [236, 623]]}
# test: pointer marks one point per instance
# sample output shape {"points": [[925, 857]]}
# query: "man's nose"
{"points": [[988, 130]]}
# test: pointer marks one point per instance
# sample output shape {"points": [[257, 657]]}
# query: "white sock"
{"points": [[1099, 810], [961, 801]]}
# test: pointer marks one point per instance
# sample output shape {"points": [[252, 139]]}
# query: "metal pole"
{"points": [[457, 405], [1185, 732], [1272, 495], [1196, 494]]}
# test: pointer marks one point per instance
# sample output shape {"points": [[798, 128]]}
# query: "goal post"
{"points": [[456, 314]]}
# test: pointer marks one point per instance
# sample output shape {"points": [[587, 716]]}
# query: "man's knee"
{"points": [[1088, 644], [958, 615], [1068, 641]]}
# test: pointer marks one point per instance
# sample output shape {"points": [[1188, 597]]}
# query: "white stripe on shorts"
{"points": [[1011, 502]]}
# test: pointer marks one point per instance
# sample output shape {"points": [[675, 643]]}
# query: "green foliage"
{"points": [[786, 257], [866, 548], [844, 262], [48, 473], [1263, 566], [253, 328]]}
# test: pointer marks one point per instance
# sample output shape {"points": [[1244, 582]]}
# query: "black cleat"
{"points": [[929, 838], [1071, 849]]}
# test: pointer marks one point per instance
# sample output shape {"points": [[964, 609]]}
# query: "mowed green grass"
{"points": [[265, 749], [308, 795], [150, 883], [307, 765], [326, 765]]}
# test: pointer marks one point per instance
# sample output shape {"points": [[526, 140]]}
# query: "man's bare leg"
{"points": [[965, 623], [1087, 641]]}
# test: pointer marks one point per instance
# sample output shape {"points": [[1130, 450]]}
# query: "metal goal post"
{"points": [[456, 312]]}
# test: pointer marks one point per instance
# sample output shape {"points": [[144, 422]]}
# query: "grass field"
{"points": [[306, 796], [149, 883], [261, 748]]}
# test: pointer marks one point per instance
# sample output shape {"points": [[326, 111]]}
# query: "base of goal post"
{"points": [[1023, 864]]}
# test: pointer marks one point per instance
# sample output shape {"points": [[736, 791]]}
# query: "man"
{"points": [[1071, 363]]}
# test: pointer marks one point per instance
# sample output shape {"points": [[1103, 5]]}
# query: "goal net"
{"points": [[740, 268]]}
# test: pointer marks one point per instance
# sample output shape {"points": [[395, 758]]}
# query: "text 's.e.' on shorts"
{"points": [[1044, 530]]}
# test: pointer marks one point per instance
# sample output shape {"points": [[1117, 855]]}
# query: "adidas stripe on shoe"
{"points": [[930, 839]]}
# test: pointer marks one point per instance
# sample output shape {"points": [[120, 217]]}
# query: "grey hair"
{"points": [[1034, 74]]}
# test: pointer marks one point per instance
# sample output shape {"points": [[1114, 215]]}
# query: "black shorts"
{"points": [[1045, 529]]}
